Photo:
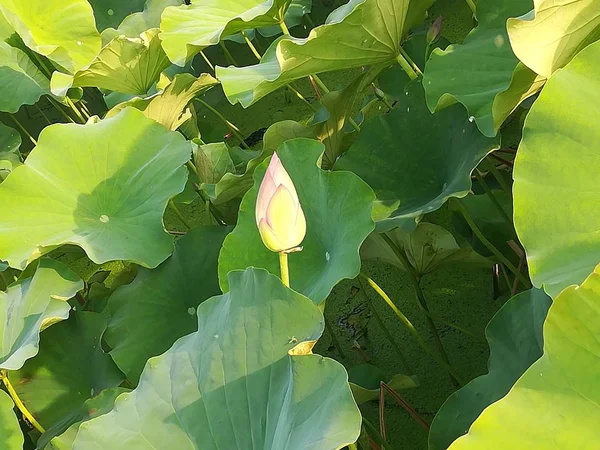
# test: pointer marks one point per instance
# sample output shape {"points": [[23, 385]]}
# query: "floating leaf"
{"points": [[10, 141], [561, 238], [63, 30], [103, 186], [555, 403], [21, 82], [516, 342], [415, 161], [126, 65], [11, 437], [168, 107], [427, 248], [497, 83], [548, 37], [94, 407], [30, 305], [360, 33], [245, 349], [70, 368], [188, 29], [159, 307], [110, 13], [337, 207]]}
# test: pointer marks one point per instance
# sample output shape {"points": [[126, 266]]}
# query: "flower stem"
{"points": [[406, 67], [285, 271], [412, 64], [15, 397], [421, 301], [235, 130]]}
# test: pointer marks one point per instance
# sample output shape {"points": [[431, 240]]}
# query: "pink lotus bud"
{"points": [[279, 216], [434, 30]]}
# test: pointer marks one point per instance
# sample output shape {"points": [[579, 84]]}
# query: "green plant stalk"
{"points": [[408, 59], [497, 253], [421, 301], [59, 109], [471, 4], [491, 167], [406, 67], [43, 114], [228, 54], [352, 446], [335, 341], [375, 435], [22, 128], [386, 332], [493, 198], [74, 109], [235, 130], [384, 387], [180, 216], [15, 397], [409, 326], [207, 61], [285, 271]]}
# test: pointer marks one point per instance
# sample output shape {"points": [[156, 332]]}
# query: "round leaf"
{"points": [[159, 307], [337, 207], [30, 305], [555, 193], [103, 186], [11, 437], [238, 382]]}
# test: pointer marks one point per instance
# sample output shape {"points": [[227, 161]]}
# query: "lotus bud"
{"points": [[279, 216], [434, 30]]}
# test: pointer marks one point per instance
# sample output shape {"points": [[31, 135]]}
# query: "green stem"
{"points": [[228, 54], [471, 4], [235, 130], [210, 207], [17, 400], [22, 128], [493, 198], [352, 447], [285, 271], [43, 67], [388, 335], [409, 60], [58, 107], [207, 61], [421, 300], [406, 67], [488, 165], [409, 326], [497, 253], [180, 216], [284, 28], [75, 110], [43, 114], [251, 46], [375, 435], [334, 339]]}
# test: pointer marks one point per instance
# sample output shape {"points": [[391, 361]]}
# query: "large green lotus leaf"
{"points": [[168, 108], [561, 239], [10, 157], [548, 37], [135, 24], [63, 30], [126, 65], [110, 13], [94, 407], [103, 186], [360, 33], [159, 307], [496, 83], [21, 82], [337, 207], [11, 437], [69, 368], [30, 305], [428, 247], [6, 30], [244, 380], [233, 185], [415, 161], [556, 402], [516, 342], [188, 29]]}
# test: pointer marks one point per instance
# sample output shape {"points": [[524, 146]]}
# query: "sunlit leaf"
{"points": [[21, 82], [555, 192], [548, 37], [337, 207], [496, 82], [555, 403], [126, 65], [11, 437], [515, 338], [103, 186], [415, 161], [30, 305], [360, 33], [69, 368], [63, 30], [238, 382], [159, 306]]}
